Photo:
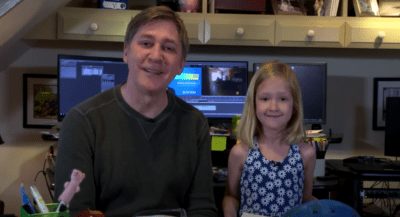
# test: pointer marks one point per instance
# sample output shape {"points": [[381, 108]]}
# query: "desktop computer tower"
{"points": [[392, 126]]}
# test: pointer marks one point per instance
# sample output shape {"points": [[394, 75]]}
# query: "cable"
{"points": [[45, 179]]}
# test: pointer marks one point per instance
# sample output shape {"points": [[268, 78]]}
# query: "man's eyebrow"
{"points": [[152, 37]]}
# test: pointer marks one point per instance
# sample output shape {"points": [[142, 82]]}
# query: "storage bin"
{"points": [[52, 208]]}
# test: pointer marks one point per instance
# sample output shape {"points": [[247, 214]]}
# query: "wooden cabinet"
{"points": [[238, 29], [194, 24], [93, 24], [382, 33], [296, 31]]}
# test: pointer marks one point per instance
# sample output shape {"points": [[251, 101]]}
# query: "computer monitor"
{"points": [[216, 88], [313, 79], [392, 126], [81, 77]]}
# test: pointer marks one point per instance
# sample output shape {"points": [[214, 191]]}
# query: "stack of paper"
{"points": [[315, 133]]}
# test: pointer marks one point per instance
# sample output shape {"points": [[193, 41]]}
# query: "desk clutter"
{"points": [[320, 143], [220, 174], [40, 208]]}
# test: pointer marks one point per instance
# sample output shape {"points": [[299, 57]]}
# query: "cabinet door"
{"points": [[250, 30], [373, 33], [194, 24], [93, 24], [301, 31]]}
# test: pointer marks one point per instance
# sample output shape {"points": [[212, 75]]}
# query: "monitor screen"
{"points": [[81, 77], [392, 123], [216, 88], [313, 79]]}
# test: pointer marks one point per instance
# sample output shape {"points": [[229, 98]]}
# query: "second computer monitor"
{"points": [[217, 88]]}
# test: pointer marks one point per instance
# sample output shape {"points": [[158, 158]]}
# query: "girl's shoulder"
{"points": [[239, 151]]}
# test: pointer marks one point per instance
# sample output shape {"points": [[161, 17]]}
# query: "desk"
{"points": [[341, 170]]}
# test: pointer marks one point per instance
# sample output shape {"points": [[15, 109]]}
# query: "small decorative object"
{"points": [[71, 187], [40, 101], [188, 6], [90, 213], [366, 8], [318, 7], [288, 7], [383, 88]]}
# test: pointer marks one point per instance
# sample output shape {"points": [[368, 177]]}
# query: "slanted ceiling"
{"points": [[15, 23]]}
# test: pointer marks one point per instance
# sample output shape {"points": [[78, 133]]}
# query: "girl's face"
{"points": [[274, 103]]}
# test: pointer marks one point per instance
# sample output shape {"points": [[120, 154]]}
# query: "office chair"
{"points": [[320, 208]]}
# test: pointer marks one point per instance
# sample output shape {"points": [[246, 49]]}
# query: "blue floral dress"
{"points": [[271, 188]]}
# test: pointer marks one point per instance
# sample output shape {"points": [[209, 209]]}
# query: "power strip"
{"points": [[380, 193]]}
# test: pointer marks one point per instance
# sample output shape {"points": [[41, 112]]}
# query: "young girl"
{"points": [[271, 170]]}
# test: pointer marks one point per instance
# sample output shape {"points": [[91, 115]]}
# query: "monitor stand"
{"points": [[316, 127]]}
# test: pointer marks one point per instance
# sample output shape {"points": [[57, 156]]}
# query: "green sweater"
{"points": [[133, 163]]}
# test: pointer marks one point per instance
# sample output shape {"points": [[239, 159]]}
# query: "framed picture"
{"points": [[40, 101], [383, 88], [366, 8], [288, 7]]}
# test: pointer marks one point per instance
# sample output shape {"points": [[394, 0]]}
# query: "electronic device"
{"points": [[392, 127], [358, 159], [81, 77], [313, 81], [380, 193], [374, 168], [216, 88], [113, 4]]}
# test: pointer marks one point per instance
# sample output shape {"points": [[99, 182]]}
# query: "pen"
{"points": [[25, 200], [316, 145]]}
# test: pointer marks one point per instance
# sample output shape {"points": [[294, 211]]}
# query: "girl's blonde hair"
{"points": [[249, 125]]}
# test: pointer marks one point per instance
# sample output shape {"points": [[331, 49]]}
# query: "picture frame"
{"points": [[288, 7], [40, 101], [366, 8], [383, 88]]}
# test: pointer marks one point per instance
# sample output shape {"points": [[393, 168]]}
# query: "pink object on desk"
{"points": [[71, 187]]}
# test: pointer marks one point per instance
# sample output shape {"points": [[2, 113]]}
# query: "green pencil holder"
{"points": [[52, 208]]}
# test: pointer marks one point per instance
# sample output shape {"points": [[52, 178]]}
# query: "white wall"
{"points": [[349, 108]]}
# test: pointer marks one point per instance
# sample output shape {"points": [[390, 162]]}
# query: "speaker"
{"points": [[392, 126]]}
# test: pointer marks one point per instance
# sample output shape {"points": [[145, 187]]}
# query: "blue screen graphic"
{"points": [[188, 83]]}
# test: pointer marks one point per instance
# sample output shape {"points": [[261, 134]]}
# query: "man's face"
{"points": [[154, 56]]}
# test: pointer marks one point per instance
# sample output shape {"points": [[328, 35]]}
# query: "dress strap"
{"points": [[255, 142]]}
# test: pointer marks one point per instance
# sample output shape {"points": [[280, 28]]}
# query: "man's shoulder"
{"points": [[96, 101], [188, 109]]}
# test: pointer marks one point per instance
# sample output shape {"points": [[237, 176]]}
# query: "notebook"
{"points": [[374, 168]]}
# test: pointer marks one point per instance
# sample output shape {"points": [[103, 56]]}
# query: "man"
{"points": [[140, 147]]}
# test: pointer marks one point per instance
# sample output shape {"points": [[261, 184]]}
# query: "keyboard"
{"points": [[374, 168]]}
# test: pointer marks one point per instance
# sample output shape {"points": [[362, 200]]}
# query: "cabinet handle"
{"points": [[240, 31], [311, 33], [93, 26], [381, 34]]}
